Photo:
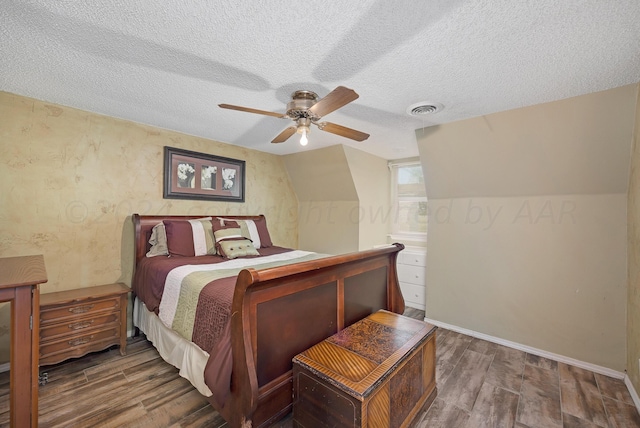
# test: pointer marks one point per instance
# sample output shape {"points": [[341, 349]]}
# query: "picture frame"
{"points": [[193, 175]]}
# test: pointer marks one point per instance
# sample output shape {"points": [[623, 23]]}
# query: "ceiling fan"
{"points": [[305, 109]]}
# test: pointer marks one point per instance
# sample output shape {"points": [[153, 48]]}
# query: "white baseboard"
{"points": [[539, 352], [632, 391]]}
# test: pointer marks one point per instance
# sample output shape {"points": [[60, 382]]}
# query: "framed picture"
{"points": [[193, 175]]}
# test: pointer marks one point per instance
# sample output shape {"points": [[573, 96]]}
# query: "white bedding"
{"points": [[186, 356]]}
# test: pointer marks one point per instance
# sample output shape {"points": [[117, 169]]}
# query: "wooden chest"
{"points": [[379, 372], [76, 322]]}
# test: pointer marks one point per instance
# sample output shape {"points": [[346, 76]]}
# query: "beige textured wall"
{"points": [[343, 195], [371, 178], [326, 227], [527, 227], [544, 271], [70, 180], [633, 239]]}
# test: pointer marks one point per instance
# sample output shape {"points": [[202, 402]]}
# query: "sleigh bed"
{"points": [[276, 311]]}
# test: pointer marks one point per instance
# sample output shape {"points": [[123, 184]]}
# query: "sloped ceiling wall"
{"points": [[326, 196], [527, 227], [343, 199], [321, 175], [575, 146]]}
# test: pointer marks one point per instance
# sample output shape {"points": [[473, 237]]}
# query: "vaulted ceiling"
{"points": [[169, 63]]}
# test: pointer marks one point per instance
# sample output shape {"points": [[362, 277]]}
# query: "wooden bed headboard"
{"points": [[143, 224]]}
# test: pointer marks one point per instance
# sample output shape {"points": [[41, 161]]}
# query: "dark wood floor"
{"points": [[480, 384]]}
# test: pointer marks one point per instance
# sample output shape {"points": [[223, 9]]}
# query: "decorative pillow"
{"points": [[158, 241], [229, 240], [232, 248], [190, 237], [255, 230]]}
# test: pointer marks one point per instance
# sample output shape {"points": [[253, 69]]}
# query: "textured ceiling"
{"points": [[169, 63]]}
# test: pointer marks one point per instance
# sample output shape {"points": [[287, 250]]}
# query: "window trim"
{"points": [[395, 199]]}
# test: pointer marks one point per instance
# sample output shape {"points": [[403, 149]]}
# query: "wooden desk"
{"points": [[19, 280]]}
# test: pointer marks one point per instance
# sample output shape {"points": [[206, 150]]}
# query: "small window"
{"points": [[409, 199]]}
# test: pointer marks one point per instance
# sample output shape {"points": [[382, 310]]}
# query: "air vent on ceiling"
{"points": [[424, 108]]}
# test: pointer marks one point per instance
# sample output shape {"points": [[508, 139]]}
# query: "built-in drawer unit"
{"points": [[412, 262], [76, 322]]}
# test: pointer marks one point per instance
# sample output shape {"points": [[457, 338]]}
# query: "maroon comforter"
{"points": [[213, 312]]}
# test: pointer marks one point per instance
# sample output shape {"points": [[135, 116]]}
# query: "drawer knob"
{"points": [[80, 325], [81, 309], [80, 341]]}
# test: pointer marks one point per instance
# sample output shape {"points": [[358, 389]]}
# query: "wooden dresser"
{"points": [[378, 372], [76, 322], [19, 281]]}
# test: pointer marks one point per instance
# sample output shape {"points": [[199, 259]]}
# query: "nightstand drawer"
{"points": [[76, 309], [78, 345], [73, 327], [76, 322]]}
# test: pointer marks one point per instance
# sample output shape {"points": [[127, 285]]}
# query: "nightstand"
{"points": [[76, 322]]}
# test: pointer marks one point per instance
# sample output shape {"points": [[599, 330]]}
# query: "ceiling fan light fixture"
{"points": [[304, 140], [304, 130], [305, 109]]}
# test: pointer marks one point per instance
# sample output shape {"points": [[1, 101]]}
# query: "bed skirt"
{"points": [[186, 356]]}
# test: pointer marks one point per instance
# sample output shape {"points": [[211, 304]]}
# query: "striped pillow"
{"points": [[255, 230], [190, 238]]}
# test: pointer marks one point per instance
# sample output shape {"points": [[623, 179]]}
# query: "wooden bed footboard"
{"points": [[279, 312]]}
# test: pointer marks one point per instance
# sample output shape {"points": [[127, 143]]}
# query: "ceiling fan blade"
{"points": [[337, 98], [253, 110], [343, 131], [284, 135]]}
